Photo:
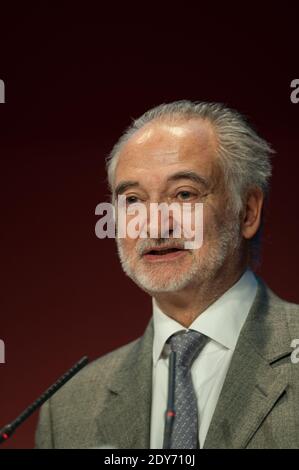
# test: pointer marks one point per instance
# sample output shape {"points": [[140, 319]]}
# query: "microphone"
{"points": [[10, 428], [170, 412]]}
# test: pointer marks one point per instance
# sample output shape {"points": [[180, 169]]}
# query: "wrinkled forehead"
{"points": [[161, 148]]}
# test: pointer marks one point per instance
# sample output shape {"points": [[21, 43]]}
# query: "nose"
{"points": [[163, 220]]}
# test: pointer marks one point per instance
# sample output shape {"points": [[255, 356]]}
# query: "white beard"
{"points": [[202, 267]]}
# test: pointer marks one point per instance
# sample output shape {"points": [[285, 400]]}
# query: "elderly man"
{"points": [[233, 381]]}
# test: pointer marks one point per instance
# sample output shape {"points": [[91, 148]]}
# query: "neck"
{"points": [[186, 305]]}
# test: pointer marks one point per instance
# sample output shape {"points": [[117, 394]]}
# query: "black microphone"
{"points": [[9, 429], [170, 411]]}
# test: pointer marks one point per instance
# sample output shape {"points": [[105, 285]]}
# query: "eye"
{"points": [[131, 199], [185, 195]]}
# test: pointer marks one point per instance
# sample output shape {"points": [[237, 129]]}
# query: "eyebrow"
{"points": [[189, 175], [124, 185], [186, 174]]}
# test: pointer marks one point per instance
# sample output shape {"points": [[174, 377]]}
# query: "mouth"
{"points": [[163, 254]]}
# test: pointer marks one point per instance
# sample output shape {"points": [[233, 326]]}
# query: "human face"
{"points": [[175, 162]]}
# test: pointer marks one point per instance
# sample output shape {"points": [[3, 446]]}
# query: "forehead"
{"points": [[162, 148]]}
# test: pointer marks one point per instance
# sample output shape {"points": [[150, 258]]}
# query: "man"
{"points": [[235, 384]]}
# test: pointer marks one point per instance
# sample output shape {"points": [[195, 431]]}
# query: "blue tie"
{"points": [[187, 346]]}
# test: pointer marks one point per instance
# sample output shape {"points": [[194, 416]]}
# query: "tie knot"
{"points": [[187, 346]]}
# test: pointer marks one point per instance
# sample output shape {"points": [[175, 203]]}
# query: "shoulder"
{"points": [[111, 361], [97, 378], [278, 303], [94, 377], [280, 310]]}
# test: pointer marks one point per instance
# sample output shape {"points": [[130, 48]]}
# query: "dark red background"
{"points": [[75, 76]]}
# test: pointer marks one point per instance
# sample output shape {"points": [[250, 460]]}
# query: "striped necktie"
{"points": [[187, 346]]}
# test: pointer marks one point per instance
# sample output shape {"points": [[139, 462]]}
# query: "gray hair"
{"points": [[243, 155]]}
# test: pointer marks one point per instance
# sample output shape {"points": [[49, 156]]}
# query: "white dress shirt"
{"points": [[222, 322]]}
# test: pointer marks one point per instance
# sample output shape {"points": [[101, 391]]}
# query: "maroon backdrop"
{"points": [[74, 78]]}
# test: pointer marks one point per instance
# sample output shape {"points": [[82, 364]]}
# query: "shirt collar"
{"points": [[222, 321]]}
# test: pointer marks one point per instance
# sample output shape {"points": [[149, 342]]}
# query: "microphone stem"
{"points": [[170, 411], [8, 430]]}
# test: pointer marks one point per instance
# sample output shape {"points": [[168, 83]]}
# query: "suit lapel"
{"points": [[125, 422], [250, 390], [252, 386]]}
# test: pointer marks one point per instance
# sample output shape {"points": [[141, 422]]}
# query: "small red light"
{"points": [[5, 435]]}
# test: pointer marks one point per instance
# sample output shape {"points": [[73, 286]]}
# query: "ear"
{"points": [[252, 212]]}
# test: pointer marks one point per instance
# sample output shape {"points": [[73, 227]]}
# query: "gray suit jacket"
{"points": [[109, 402]]}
